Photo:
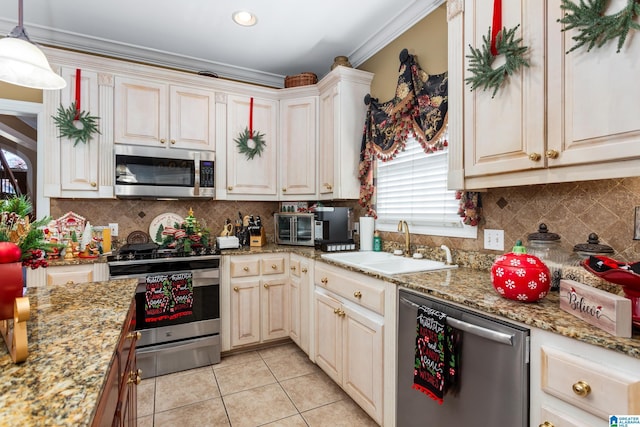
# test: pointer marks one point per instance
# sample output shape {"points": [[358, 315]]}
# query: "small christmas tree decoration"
{"points": [[78, 126], [484, 76], [594, 28]]}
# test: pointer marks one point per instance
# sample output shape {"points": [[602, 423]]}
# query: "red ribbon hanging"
{"points": [[496, 26], [78, 80], [251, 118]]}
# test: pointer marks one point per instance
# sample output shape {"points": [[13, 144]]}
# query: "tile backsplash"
{"points": [[573, 210]]}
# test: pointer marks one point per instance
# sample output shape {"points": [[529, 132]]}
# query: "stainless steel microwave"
{"points": [[163, 173]]}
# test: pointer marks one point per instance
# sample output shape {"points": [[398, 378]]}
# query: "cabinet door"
{"points": [[79, 163], [300, 290], [326, 142], [252, 178], [362, 355], [192, 123], [298, 144], [593, 96], [141, 112], [295, 301], [245, 312], [328, 336], [501, 133], [275, 309]]}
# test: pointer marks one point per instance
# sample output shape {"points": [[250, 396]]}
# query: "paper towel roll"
{"points": [[366, 233]]}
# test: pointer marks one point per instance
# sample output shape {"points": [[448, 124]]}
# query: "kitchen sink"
{"points": [[385, 262]]}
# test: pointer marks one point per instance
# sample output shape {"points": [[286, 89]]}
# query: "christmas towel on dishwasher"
{"points": [[437, 354]]}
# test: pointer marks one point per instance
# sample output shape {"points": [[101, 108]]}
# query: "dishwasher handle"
{"points": [[470, 328]]}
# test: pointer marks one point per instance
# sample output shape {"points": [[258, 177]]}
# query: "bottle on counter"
{"points": [[377, 242]]}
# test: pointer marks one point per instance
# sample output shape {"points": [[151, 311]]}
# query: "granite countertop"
{"points": [[472, 288], [72, 333]]}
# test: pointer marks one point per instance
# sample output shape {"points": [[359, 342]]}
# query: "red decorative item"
{"points": [[520, 276], [10, 288], [9, 252]]}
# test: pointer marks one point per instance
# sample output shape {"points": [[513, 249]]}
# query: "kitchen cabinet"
{"points": [[349, 336], [298, 147], [300, 286], [544, 124], [163, 114], [257, 178], [258, 299], [578, 384], [73, 169], [67, 274], [117, 405], [341, 120]]}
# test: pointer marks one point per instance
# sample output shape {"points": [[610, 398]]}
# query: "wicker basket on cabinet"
{"points": [[302, 79]]}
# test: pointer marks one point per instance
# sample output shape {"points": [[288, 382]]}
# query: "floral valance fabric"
{"points": [[419, 109]]}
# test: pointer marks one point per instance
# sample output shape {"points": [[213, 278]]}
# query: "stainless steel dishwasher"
{"points": [[494, 370]]}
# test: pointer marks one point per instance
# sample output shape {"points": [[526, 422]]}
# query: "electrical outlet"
{"points": [[494, 239], [113, 226]]}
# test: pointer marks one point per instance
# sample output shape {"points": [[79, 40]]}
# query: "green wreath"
{"points": [[594, 27], [78, 127], [484, 76], [242, 141]]}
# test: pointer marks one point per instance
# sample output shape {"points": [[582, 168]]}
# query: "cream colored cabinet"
{"points": [[161, 114], [300, 285], [67, 274], [544, 124], [298, 147], [341, 120], [73, 169], [258, 299], [349, 336], [256, 178], [578, 384]]}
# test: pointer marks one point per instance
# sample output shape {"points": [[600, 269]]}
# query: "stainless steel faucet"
{"points": [[407, 243]]}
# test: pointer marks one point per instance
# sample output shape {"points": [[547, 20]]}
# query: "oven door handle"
{"points": [[480, 331]]}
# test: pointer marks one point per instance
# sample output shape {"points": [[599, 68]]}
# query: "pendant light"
{"points": [[22, 63]]}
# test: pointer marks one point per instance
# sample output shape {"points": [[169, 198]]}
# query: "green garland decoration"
{"points": [[77, 129], [593, 27], [242, 141], [484, 76]]}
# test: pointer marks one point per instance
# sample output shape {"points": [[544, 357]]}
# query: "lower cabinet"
{"points": [[300, 286], [67, 274], [348, 337], [118, 401], [258, 299], [574, 384]]}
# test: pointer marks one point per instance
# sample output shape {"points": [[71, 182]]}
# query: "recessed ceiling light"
{"points": [[244, 18]]}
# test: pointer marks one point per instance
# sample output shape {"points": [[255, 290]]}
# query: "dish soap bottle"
{"points": [[377, 242]]}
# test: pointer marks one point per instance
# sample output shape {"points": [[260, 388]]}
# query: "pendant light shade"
{"points": [[22, 63]]}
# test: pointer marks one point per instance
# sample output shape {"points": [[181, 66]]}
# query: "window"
{"points": [[413, 187]]}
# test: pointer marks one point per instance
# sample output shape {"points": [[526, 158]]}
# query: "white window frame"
{"points": [[414, 153]]}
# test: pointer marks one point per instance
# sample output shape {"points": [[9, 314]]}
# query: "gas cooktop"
{"points": [[147, 253]]}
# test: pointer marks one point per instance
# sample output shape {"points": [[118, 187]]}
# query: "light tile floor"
{"points": [[277, 386]]}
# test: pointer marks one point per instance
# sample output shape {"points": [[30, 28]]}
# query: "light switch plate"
{"points": [[494, 239], [113, 226]]}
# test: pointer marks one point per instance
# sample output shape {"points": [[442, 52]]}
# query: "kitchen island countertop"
{"points": [[73, 332]]}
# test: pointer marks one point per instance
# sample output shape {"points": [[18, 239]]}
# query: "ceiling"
{"points": [[291, 36]]}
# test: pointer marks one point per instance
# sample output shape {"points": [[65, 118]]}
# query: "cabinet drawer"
{"points": [[273, 265], [243, 267], [588, 385], [352, 286]]}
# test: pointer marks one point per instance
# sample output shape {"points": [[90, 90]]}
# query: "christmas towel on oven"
{"points": [[436, 354], [168, 296]]}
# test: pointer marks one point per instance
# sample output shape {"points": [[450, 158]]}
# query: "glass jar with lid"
{"points": [[582, 251], [547, 246]]}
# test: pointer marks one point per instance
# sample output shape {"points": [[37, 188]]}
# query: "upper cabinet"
{"points": [[298, 147], [250, 178], [151, 112], [342, 114], [79, 169], [544, 124]]}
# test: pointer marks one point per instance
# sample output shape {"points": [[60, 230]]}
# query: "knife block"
{"points": [[258, 239]]}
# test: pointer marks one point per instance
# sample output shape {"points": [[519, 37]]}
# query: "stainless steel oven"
{"points": [[178, 310]]}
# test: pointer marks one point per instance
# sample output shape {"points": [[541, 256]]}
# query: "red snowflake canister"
{"points": [[520, 276]]}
